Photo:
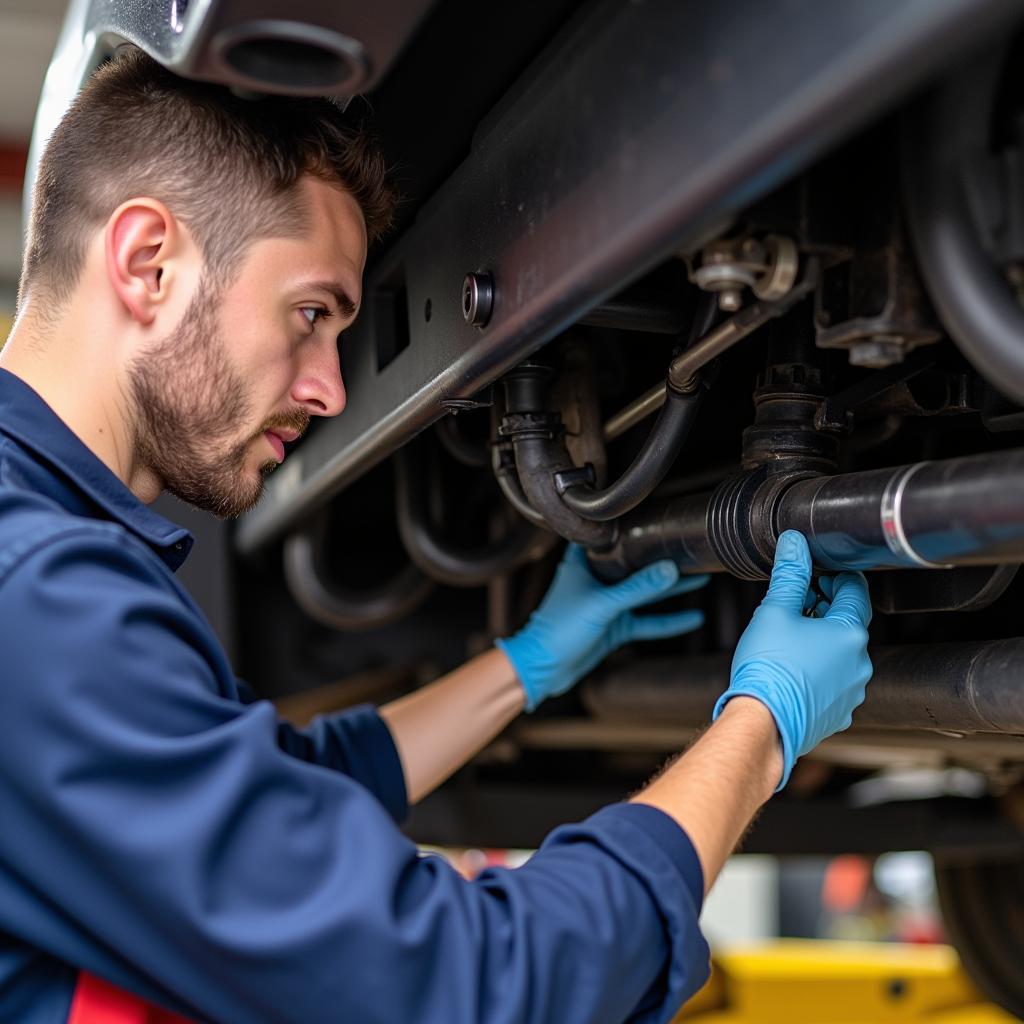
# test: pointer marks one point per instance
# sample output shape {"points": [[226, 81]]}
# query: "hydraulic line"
{"points": [[348, 610]]}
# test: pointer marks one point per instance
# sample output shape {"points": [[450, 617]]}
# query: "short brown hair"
{"points": [[226, 166]]}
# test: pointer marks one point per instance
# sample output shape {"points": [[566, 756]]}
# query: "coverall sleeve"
{"points": [[358, 743], [355, 741], [156, 834]]}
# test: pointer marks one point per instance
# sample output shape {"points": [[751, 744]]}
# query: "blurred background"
{"points": [[890, 898], [28, 34]]}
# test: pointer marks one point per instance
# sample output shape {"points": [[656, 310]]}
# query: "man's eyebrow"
{"points": [[345, 305]]}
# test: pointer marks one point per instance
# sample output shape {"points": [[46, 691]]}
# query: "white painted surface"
{"points": [[744, 904]]}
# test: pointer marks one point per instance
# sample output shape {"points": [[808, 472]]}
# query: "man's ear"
{"points": [[141, 236]]}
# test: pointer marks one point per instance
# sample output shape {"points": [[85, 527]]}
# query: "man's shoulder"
{"points": [[32, 529]]}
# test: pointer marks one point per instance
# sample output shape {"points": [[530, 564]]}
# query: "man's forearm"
{"points": [[440, 727], [715, 789]]}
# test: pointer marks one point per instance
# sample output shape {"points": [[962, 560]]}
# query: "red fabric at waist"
{"points": [[98, 1002]]}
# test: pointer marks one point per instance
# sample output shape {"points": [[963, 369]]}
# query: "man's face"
{"points": [[249, 365]]}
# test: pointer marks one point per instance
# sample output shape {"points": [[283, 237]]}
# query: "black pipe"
{"points": [[565, 495], [560, 491], [974, 301], [503, 463], [444, 561], [951, 688], [340, 608], [650, 466], [541, 455], [539, 458], [639, 309], [963, 511]]}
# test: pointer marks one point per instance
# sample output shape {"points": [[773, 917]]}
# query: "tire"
{"points": [[982, 906]]}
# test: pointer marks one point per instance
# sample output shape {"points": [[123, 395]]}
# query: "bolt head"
{"points": [[477, 298], [730, 300], [876, 355]]}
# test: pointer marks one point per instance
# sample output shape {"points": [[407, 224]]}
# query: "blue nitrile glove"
{"points": [[581, 621], [809, 672]]}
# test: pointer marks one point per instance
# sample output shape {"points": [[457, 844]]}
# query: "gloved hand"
{"points": [[581, 621], [809, 672]]}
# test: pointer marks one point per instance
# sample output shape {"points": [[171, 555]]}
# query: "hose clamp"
{"points": [[892, 520], [519, 425], [682, 385]]}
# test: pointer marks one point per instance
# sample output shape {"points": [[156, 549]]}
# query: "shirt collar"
{"points": [[25, 417]]}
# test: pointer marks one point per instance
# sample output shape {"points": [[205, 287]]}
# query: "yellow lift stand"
{"points": [[798, 982]]}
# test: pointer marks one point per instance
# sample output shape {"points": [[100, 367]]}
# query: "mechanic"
{"points": [[170, 849]]}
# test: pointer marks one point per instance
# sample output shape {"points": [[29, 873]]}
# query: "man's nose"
{"points": [[319, 388]]}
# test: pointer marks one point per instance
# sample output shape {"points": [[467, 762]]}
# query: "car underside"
{"points": [[668, 280]]}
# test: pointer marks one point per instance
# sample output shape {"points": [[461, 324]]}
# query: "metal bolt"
{"points": [[477, 298], [877, 354], [730, 300]]}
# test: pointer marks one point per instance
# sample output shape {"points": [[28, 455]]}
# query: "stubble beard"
{"points": [[189, 403]]}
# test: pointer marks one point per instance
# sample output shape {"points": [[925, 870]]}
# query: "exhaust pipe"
{"points": [[957, 688], [931, 515]]}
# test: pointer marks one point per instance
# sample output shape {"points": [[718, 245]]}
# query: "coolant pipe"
{"points": [[446, 562], [928, 515], [347, 610], [957, 688]]}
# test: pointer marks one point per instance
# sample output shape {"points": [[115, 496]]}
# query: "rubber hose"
{"points": [[650, 466]]}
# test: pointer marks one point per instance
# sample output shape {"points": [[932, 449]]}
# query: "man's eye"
{"points": [[314, 313]]}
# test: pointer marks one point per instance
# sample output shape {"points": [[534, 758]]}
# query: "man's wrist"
{"points": [[505, 655], [756, 719]]}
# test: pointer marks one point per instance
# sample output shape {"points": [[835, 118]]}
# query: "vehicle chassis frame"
{"points": [[583, 179]]}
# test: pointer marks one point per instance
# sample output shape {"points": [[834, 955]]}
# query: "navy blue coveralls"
{"points": [[164, 831]]}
